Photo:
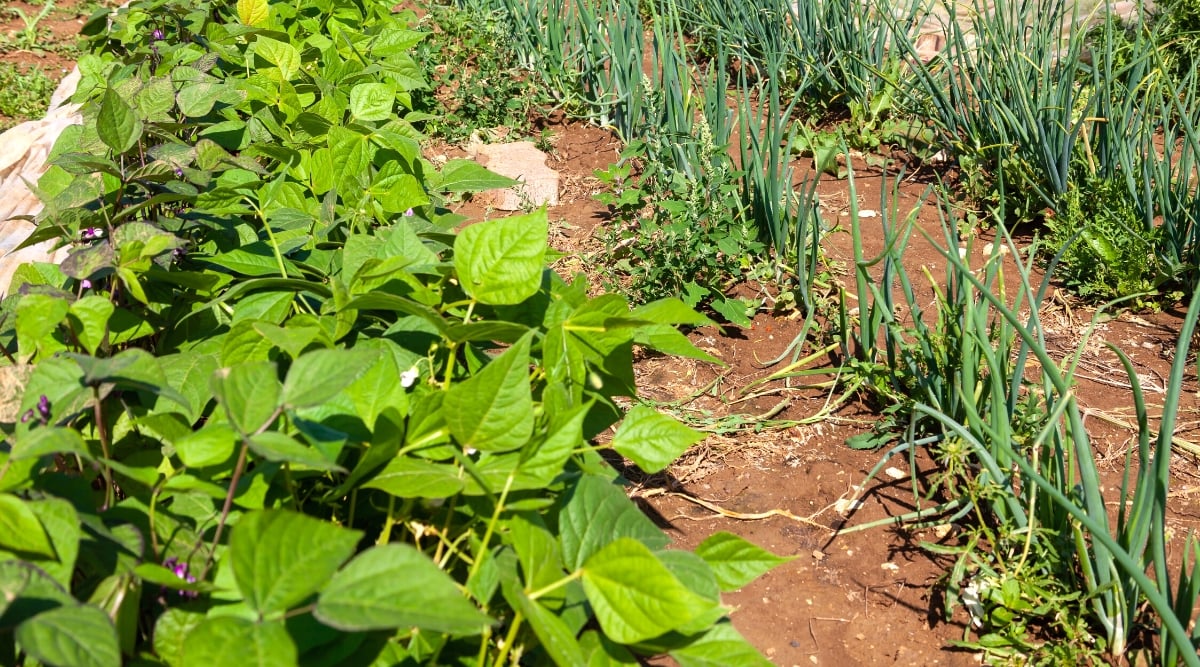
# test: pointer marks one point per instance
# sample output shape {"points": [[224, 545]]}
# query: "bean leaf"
{"points": [[396, 586], [634, 596], [499, 262], [281, 557], [71, 636]]}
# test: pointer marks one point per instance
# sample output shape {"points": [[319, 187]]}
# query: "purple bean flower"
{"points": [[157, 35], [92, 233], [408, 213], [42, 411], [85, 283], [178, 172], [181, 570]]}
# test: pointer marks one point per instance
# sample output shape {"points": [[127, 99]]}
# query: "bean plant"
{"points": [[273, 409]]}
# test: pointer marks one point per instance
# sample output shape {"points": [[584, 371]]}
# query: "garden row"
{"points": [[1081, 123], [276, 411]]}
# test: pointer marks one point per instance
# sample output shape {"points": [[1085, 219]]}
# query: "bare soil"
{"points": [[858, 598], [54, 51]]}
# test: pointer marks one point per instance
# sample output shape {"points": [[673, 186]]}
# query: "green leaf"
{"points": [[400, 192], [188, 373], [486, 330], [38, 316], [280, 447], [597, 513], [253, 12], [61, 522], [735, 561], [548, 460], [49, 440], [116, 123], [281, 54], [252, 259], [670, 311], [320, 375], [350, 154], [280, 558], [379, 388], [20, 530], [408, 477], [372, 101], [396, 586], [134, 369], [493, 410], [229, 640], [634, 596], [651, 439], [72, 636], [171, 631], [667, 339], [722, 645], [28, 591], [733, 310], [604, 652], [468, 176], [500, 262], [249, 393], [13, 580], [90, 321], [208, 446]]}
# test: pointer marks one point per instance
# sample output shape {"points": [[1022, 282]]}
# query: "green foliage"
{"points": [[27, 93], [277, 412], [1105, 251], [476, 83], [1178, 25], [677, 236], [29, 36]]}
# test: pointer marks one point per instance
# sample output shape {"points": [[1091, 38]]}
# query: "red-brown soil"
{"points": [[868, 597], [54, 51]]}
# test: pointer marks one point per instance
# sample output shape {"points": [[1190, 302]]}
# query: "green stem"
{"points": [[226, 508], [509, 639], [386, 534], [491, 527], [550, 588], [102, 435]]}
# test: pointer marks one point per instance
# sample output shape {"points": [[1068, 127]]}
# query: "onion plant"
{"points": [[1004, 93], [982, 390]]}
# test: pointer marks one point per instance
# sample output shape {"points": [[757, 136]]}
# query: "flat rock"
{"points": [[522, 161]]}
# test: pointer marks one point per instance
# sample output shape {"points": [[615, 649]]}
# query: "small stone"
{"points": [[895, 473]]}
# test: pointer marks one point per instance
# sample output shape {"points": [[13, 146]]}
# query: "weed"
{"points": [[1106, 251], [26, 93], [677, 235], [475, 84]]}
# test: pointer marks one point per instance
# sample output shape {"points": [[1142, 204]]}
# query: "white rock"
{"points": [[524, 162]]}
